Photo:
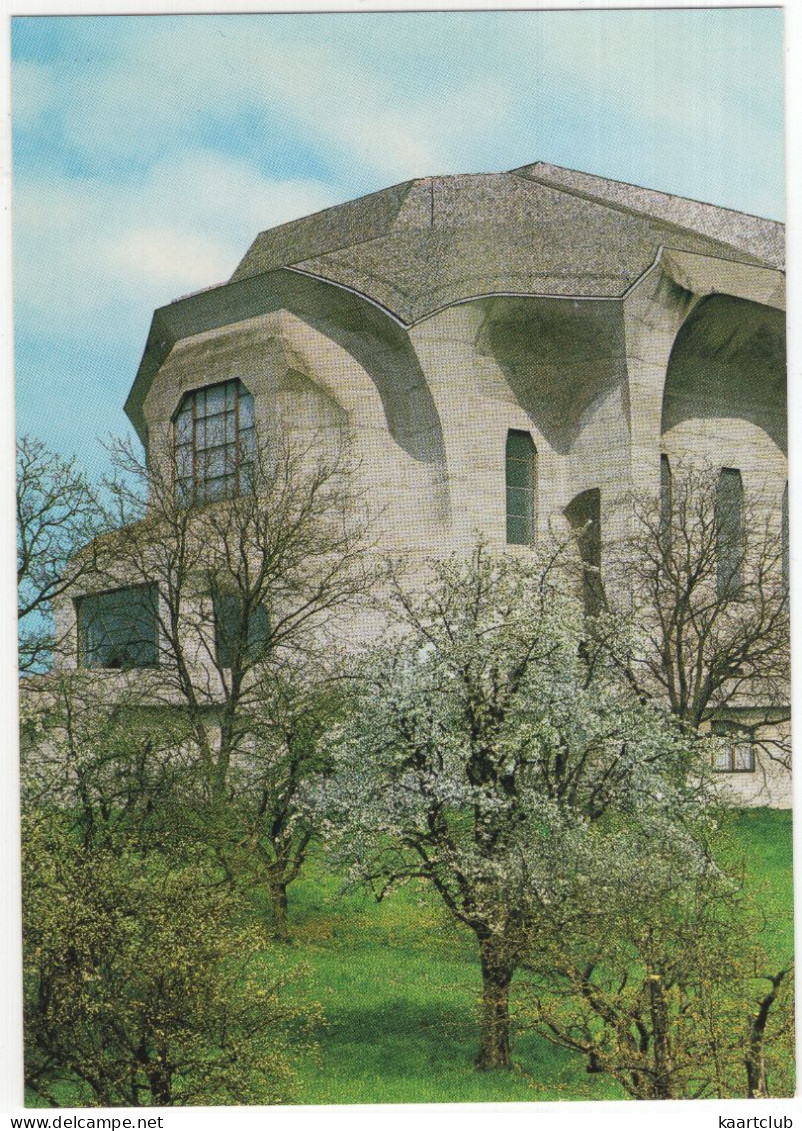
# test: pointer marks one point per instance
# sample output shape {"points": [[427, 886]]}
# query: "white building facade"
{"points": [[501, 352]]}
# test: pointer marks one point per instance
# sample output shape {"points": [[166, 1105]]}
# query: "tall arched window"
{"points": [[665, 508], [521, 472], [730, 536], [214, 443]]}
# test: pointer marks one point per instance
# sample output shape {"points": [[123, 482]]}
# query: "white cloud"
{"points": [[86, 251], [34, 90], [165, 84], [154, 109]]}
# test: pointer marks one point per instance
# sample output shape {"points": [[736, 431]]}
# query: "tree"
{"points": [[488, 737], [58, 513], [657, 975], [146, 983], [271, 786], [246, 596], [119, 773], [708, 585]]}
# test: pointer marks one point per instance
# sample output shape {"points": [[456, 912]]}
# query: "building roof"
{"points": [[541, 230], [426, 244]]}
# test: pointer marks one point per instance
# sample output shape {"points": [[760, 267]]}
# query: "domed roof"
{"points": [[539, 230], [418, 247]]}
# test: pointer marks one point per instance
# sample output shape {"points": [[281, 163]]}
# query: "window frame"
{"points": [[84, 648], [227, 603], [666, 508], [730, 535], [191, 448], [522, 492], [737, 738]]}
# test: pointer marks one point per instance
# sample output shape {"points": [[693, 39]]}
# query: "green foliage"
{"points": [[398, 983], [140, 985], [495, 752], [121, 772], [671, 984]]}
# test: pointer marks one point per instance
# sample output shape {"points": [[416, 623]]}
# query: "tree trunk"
{"points": [[160, 1085], [497, 972], [158, 1075], [278, 903], [755, 1060], [756, 1081], [661, 1034]]}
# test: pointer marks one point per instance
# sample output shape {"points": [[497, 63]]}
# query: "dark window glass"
{"points": [[214, 443], [232, 633], [584, 516], [729, 532], [521, 470], [118, 629], [665, 507]]}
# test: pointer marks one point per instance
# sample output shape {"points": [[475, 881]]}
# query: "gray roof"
{"points": [[425, 244]]}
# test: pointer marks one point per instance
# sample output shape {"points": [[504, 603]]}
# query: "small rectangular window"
{"points": [[119, 628], [736, 754], [730, 534], [666, 505]]}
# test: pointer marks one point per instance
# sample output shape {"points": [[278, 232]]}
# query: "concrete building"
{"points": [[502, 352]]}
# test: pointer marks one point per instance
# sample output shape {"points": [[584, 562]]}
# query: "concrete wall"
{"points": [[602, 387]]}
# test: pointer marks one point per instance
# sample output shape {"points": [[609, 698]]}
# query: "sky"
{"points": [[149, 151]]}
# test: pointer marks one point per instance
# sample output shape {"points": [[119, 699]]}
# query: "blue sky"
{"points": [[149, 151]]}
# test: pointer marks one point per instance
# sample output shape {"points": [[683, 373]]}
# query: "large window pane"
{"points": [[214, 440], [118, 629]]}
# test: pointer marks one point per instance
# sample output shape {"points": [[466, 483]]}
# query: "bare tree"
{"points": [[58, 513], [238, 607], [706, 574]]}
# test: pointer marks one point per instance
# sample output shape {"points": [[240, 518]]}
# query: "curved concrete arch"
{"points": [[558, 357], [378, 343], [728, 363], [381, 347]]}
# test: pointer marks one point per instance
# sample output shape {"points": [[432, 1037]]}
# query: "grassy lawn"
{"points": [[399, 984], [763, 840]]}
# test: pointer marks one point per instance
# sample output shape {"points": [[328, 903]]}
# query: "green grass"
{"points": [[398, 985], [764, 851]]}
